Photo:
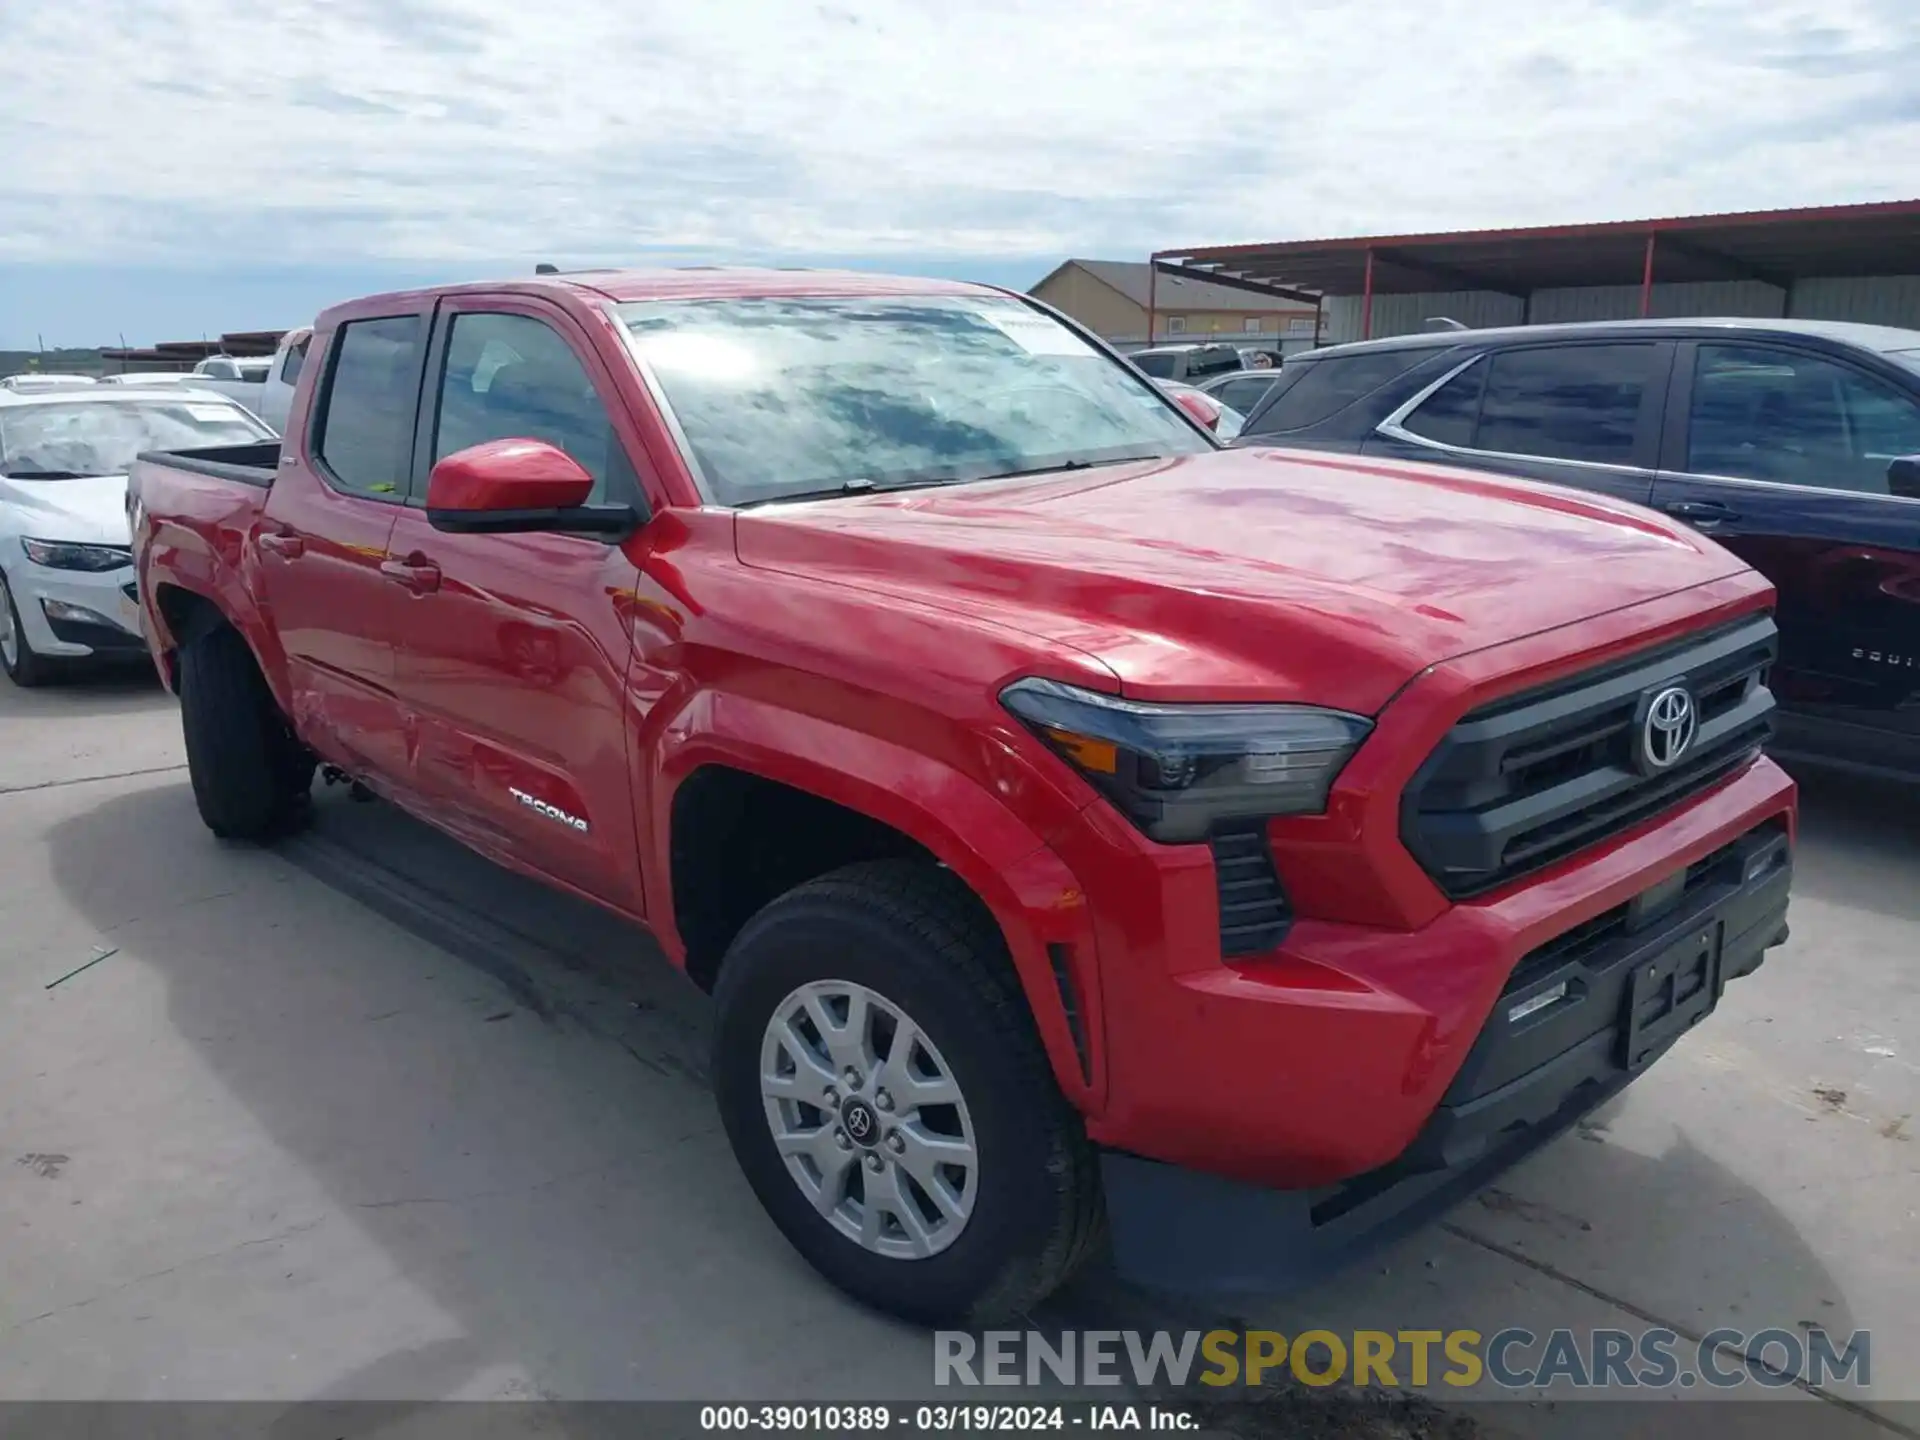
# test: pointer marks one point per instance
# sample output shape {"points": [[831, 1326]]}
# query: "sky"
{"points": [[170, 168]]}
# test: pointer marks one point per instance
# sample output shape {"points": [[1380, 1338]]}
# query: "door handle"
{"points": [[282, 543], [419, 576], [1700, 512]]}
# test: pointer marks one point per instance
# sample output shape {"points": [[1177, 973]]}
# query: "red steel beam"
{"points": [[1646, 278], [1366, 300]]}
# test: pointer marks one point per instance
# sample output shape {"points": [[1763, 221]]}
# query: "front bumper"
{"points": [[51, 603], [1578, 1018]]}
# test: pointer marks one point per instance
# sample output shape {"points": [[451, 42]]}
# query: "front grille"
{"points": [[1254, 915], [1534, 778]]}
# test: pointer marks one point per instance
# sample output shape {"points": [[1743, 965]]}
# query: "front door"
{"points": [[513, 649], [1782, 455], [323, 537]]}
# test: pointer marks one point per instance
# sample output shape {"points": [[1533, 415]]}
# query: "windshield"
{"points": [[99, 437], [809, 396]]}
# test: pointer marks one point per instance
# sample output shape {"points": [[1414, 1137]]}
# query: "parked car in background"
{"points": [[1242, 390], [1222, 419], [66, 573], [1071, 817], [1796, 444], [276, 397], [151, 379], [239, 378], [1191, 363], [21, 384]]}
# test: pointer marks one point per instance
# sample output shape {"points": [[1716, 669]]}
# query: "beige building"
{"points": [[1110, 297]]}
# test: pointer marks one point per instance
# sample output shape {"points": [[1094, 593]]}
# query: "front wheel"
{"points": [[24, 666], [887, 1096]]}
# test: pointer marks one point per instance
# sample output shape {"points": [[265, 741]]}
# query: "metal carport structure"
{"points": [[1772, 254]]}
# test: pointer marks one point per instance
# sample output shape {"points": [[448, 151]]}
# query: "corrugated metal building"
{"points": [[1845, 262]]}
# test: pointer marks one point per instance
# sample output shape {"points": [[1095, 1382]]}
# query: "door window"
{"points": [[295, 357], [366, 423], [1796, 419], [511, 377], [1566, 402]]}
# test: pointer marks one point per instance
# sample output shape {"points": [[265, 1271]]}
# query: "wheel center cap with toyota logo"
{"points": [[860, 1123], [1667, 730]]}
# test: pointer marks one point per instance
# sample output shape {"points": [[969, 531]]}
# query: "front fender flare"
{"points": [[1032, 896]]}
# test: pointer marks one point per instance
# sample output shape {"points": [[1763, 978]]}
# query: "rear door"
{"points": [[323, 536], [1585, 414], [513, 649], [1781, 453]]}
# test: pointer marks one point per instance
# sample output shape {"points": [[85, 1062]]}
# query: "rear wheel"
{"points": [[23, 665], [887, 1096], [251, 778]]}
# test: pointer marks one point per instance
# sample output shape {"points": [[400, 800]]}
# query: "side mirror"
{"points": [[518, 486], [1199, 407], [1903, 477]]}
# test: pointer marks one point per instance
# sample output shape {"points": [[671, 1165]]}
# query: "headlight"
{"points": [[1178, 770], [58, 555]]}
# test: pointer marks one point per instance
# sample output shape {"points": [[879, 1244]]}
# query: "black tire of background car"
{"points": [[28, 668], [251, 779], [915, 934]]}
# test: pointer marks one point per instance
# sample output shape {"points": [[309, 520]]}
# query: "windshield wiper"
{"points": [[48, 474], [1061, 467], [859, 485]]}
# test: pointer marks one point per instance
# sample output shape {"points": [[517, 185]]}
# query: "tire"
{"points": [[24, 666], [251, 779], [914, 938]]}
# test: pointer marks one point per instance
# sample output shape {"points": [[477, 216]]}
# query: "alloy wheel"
{"points": [[869, 1119]]}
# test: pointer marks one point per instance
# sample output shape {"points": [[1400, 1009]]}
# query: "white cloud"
{"points": [[442, 130]]}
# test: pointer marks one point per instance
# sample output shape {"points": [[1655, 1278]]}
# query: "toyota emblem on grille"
{"points": [[1668, 731]]}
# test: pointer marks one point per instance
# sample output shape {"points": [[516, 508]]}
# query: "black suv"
{"points": [[1796, 444]]}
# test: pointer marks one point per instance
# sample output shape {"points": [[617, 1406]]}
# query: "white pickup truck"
{"points": [[244, 380]]}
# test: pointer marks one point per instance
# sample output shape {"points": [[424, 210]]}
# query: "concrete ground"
{"points": [[363, 1119]]}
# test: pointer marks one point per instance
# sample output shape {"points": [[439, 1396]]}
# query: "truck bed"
{"points": [[254, 463]]}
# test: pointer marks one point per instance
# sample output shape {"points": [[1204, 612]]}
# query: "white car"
{"points": [[21, 384], [66, 566]]}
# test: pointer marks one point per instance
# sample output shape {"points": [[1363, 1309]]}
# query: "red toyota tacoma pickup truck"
{"points": [[1083, 830]]}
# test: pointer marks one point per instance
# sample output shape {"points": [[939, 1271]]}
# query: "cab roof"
{"points": [[697, 282]]}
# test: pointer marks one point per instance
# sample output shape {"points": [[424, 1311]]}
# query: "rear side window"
{"points": [[1160, 367], [1213, 362], [1243, 395], [1449, 415], [1571, 402], [1326, 387], [365, 437]]}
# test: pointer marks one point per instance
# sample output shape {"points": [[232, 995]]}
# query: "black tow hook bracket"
{"points": [[334, 775]]}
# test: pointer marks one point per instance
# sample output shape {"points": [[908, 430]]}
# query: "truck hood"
{"points": [[89, 511], [1282, 575]]}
